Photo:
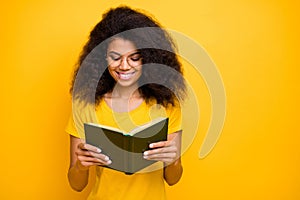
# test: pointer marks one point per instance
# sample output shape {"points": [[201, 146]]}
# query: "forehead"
{"points": [[121, 46]]}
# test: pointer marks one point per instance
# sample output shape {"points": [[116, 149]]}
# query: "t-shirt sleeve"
{"points": [[175, 118], [71, 128]]}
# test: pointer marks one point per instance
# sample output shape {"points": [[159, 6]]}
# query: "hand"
{"points": [[165, 151], [88, 155]]}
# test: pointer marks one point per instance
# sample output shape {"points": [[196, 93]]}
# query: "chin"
{"points": [[126, 83]]}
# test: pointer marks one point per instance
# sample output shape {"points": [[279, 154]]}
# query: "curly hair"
{"points": [[161, 78]]}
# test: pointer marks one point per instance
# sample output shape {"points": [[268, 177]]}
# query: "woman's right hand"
{"points": [[88, 155]]}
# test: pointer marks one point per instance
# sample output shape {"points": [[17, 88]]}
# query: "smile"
{"points": [[125, 76]]}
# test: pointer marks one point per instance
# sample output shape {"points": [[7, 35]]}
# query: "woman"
{"points": [[137, 77]]}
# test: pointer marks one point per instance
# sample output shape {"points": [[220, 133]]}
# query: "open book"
{"points": [[126, 149]]}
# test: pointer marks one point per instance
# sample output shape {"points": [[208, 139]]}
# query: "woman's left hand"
{"points": [[165, 151]]}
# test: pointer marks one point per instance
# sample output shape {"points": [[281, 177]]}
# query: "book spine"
{"points": [[126, 153], [130, 154]]}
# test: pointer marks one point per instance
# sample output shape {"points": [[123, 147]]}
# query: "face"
{"points": [[124, 62]]}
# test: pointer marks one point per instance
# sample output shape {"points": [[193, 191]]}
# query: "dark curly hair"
{"points": [[161, 78]]}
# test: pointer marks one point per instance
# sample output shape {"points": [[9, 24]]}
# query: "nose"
{"points": [[124, 64]]}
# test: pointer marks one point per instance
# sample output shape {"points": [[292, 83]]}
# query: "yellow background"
{"points": [[255, 45]]}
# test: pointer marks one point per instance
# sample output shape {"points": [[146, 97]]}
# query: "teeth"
{"points": [[125, 76]]}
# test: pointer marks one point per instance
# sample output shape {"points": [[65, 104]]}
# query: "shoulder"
{"points": [[174, 114], [173, 110]]}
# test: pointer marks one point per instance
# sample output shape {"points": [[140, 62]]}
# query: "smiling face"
{"points": [[124, 62]]}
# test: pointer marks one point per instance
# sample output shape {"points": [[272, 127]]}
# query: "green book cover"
{"points": [[126, 149]]}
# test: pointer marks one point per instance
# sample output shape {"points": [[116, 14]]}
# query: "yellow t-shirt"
{"points": [[114, 185]]}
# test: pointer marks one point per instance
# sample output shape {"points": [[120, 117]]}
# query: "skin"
{"points": [[125, 97]]}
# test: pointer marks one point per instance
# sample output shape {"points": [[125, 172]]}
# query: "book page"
{"points": [[142, 127], [108, 128]]}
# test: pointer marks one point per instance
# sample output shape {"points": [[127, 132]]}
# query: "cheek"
{"points": [[140, 72], [140, 69], [111, 72]]}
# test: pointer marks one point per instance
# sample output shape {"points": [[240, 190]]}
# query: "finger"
{"points": [[158, 144], [168, 149], [94, 160], [160, 156], [161, 144], [89, 147], [92, 148], [86, 164], [166, 158], [167, 161], [99, 156], [83, 165]]}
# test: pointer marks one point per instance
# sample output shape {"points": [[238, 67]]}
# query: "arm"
{"points": [[169, 153], [173, 171], [83, 156]]}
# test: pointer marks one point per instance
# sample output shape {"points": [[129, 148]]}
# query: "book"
{"points": [[125, 149]]}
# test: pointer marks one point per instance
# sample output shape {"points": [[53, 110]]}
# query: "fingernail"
{"points": [[106, 158], [151, 145], [145, 153], [98, 150], [109, 162]]}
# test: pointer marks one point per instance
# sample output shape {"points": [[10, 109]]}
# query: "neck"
{"points": [[125, 92]]}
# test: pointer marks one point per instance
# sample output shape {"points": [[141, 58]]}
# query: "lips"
{"points": [[125, 76]]}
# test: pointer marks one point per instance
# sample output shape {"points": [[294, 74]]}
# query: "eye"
{"points": [[135, 57], [115, 58]]}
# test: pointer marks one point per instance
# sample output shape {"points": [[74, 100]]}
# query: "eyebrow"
{"points": [[118, 54]]}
